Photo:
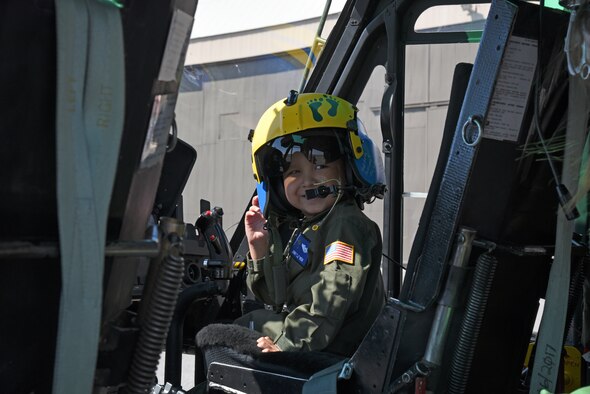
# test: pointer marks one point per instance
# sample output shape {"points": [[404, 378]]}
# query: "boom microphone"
{"points": [[321, 192]]}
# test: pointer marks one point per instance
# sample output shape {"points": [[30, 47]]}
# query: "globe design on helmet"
{"points": [[289, 123]]}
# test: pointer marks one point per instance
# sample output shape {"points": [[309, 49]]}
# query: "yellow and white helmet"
{"points": [[295, 122]]}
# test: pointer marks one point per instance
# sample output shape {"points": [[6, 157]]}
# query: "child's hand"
{"points": [[267, 345], [257, 235]]}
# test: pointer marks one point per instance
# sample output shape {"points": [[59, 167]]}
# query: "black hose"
{"points": [[470, 327], [156, 321], [173, 366]]}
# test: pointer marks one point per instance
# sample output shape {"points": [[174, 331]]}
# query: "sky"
{"points": [[239, 15]]}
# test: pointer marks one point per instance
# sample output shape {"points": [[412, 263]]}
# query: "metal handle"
{"points": [[469, 139]]}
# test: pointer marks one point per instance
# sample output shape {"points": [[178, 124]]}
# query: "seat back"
{"points": [[379, 348], [461, 76], [497, 186], [30, 287]]}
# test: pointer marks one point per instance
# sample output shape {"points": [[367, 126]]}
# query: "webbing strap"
{"points": [[552, 329], [278, 268], [89, 123], [581, 197]]}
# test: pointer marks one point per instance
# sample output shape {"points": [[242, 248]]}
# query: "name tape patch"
{"points": [[300, 249]]}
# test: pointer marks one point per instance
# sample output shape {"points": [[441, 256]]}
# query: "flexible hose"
{"points": [[156, 322], [470, 327]]}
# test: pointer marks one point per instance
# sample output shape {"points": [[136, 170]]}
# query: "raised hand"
{"points": [[257, 235]]}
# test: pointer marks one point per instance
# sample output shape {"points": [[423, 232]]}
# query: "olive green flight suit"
{"points": [[330, 305]]}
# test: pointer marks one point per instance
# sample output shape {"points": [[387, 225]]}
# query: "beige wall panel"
{"points": [[218, 126], [189, 118], [220, 176], [218, 130], [272, 39], [444, 15], [443, 58], [417, 66], [373, 92], [415, 142]]}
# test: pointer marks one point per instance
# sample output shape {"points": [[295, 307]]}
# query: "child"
{"points": [[315, 167]]}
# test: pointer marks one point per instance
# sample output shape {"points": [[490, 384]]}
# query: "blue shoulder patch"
{"points": [[300, 249]]}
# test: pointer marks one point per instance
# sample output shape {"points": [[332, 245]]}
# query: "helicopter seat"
{"points": [[233, 360]]}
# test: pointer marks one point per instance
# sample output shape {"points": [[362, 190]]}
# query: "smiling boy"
{"points": [[315, 168]]}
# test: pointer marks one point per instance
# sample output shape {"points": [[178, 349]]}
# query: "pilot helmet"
{"points": [[323, 127]]}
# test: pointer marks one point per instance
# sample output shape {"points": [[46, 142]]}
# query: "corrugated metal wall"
{"points": [[221, 102]]}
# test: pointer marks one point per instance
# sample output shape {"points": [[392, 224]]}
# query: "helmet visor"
{"points": [[319, 150]]}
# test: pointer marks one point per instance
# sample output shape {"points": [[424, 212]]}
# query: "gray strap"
{"points": [[279, 270], [89, 123], [552, 329]]}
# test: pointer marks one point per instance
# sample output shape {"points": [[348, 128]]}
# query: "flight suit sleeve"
{"points": [[336, 293], [267, 277], [257, 280]]}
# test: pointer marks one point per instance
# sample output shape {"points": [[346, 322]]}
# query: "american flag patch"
{"points": [[339, 251]]}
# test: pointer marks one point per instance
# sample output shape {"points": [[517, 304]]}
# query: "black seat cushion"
{"points": [[236, 345]]}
